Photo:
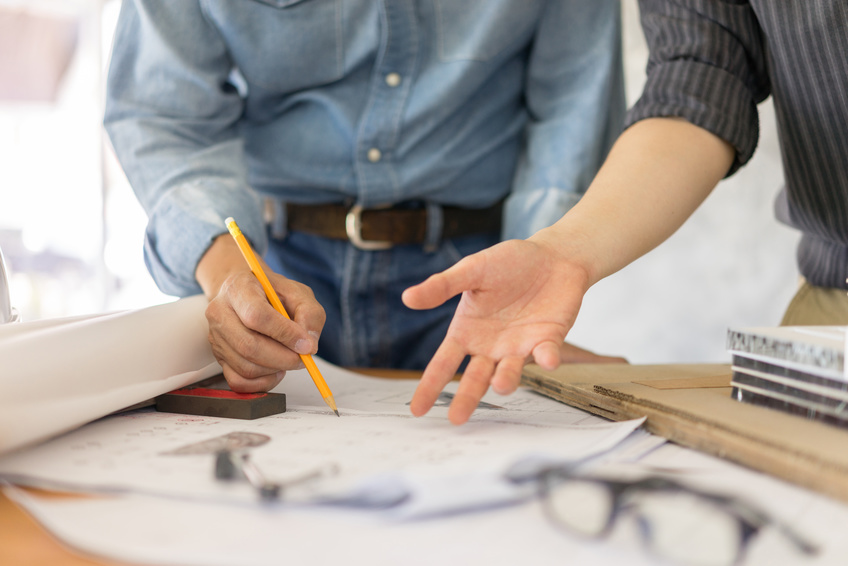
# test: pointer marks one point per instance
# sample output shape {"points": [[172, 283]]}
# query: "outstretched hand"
{"points": [[519, 300]]}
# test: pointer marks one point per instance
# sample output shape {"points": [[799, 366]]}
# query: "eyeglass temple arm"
{"points": [[803, 544], [757, 519]]}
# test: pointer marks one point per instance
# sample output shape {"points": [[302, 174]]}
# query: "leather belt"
{"points": [[382, 228]]}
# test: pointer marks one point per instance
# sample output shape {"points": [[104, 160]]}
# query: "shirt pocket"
{"points": [[284, 45], [480, 30]]}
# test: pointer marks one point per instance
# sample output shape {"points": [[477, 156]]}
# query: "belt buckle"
{"points": [[353, 228]]}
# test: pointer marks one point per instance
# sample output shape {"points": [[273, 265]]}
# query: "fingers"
{"points": [[299, 334], [254, 341], [241, 384], [441, 369], [473, 385], [507, 375], [547, 355], [304, 309], [504, 375], [438, 288], [251, 354]]}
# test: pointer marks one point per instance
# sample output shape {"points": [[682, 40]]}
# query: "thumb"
{"points": [[440, 287]]}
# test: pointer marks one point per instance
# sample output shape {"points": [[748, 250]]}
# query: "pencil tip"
{"points": [[332, 404]]}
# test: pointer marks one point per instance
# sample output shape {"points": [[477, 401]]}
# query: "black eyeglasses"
{"points": [[676, 522]]}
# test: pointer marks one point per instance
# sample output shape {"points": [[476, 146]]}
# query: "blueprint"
{"points": [[375, 454]]}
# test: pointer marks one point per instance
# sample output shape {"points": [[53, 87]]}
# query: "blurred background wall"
{"points": [[70, 227], [72, 231], [731, 264]]}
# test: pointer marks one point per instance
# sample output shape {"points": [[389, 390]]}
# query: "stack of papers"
{"points": [[376, 456], [797, 369], [61, 383]]}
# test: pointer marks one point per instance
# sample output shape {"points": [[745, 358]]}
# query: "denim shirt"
{"points": [[214, 104]]}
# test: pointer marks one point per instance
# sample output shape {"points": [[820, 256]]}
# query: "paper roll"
{"points": [[58, 375]]}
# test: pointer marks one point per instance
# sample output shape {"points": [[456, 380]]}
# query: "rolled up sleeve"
{"points": [[707, 65], [171, 115]]}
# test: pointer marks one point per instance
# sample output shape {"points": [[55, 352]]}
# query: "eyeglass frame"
{"points": [[750, 518]]}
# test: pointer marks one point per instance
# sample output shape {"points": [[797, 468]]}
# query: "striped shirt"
{"points": [[712, 61]]}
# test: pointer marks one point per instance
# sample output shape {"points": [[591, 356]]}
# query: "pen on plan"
{"points": [[274, 299]]}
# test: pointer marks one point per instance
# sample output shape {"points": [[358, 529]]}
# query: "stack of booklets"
{"points": [[797, 369]]}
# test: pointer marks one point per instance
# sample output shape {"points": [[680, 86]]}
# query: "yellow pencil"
{"points": [[248, 254]]}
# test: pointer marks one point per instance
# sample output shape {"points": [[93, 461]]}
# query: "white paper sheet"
{"points": [[56, 375], [154, 530], [380, 454], [150, 530]]}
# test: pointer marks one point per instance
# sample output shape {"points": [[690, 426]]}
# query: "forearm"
{"points": [[175, 131], [658, 172]]}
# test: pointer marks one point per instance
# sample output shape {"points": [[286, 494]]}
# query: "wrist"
{"points": [[221, 260], [570, 249]]}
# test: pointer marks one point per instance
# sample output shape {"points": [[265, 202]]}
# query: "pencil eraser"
{"points": [[221, 403]]}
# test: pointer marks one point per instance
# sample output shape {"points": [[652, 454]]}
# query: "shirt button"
{"points": [[393, 79], [374, 155]]}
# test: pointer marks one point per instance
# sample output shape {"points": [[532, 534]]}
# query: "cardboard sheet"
{"points": [[720, 380], [802, 451]]}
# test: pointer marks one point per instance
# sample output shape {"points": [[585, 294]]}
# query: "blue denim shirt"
{"points": [[213, 104]]}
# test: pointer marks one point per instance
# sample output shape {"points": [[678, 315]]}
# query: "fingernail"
{"points": [[303, 346], [314, 334]]}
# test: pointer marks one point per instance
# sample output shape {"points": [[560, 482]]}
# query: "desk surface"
{"points": [[23, 542]]}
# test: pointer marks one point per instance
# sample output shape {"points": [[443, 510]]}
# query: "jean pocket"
{"points": [[479, 30], [284, 45]]}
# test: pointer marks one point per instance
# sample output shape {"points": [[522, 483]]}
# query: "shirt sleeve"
{"points": [[171, 114], [707, 65], [575, 99]]}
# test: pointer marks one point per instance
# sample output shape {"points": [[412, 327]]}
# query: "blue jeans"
{"points": [[367, 324]]}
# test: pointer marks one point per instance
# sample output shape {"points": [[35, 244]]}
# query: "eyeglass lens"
{"points": [[677, 525]]}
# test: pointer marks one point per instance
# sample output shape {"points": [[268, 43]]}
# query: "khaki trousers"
{"points": [[817, 306]]}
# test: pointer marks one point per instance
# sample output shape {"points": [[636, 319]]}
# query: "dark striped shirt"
{"points": [[712, 61]]}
